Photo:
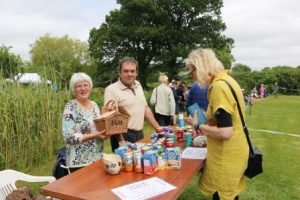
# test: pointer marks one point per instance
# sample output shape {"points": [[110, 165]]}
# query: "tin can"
{"points": [[179, 133], [160, 130], [138, 162], [160, 147], [154, 137], [172, 136], [170, 143], [145, 149], [128, 162], [188, 139], [132, 146], [166, 129], [161, 141], [171, 130]]}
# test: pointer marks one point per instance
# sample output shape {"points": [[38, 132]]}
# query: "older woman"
{"points": [[227, 149], [163, 99], [84, 143]]}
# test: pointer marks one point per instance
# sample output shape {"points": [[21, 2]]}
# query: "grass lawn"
{"points": [[281, 177]]}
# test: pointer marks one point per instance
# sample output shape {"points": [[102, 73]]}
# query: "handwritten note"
{"points": [[143, 189], [194, 153]]}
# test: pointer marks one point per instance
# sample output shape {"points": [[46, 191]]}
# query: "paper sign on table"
{"points": [[194, 153], [143, 189]]}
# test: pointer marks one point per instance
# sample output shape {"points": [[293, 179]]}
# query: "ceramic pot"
{"points": [[112, 163]]}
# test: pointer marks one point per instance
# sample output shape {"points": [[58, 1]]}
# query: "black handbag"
{"points": [[255, 155], [57, 171]]}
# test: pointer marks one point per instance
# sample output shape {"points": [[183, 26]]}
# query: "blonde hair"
{"points": [[205, 62], [163, 79]]}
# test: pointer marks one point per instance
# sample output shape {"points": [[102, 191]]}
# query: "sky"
{"points": [[266, 32]]}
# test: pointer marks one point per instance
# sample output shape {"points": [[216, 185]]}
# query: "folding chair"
{"points": [[8, 179]]}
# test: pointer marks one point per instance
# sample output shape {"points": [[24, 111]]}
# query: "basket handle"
{"points": [[111, 105]]}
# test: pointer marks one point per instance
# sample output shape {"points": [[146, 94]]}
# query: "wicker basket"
{"points": [[114, 119]]}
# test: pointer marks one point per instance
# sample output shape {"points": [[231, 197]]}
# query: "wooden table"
{"points": [[92, 182]]}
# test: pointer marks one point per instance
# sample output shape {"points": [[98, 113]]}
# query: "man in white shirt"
{"points": [[128, 92]]}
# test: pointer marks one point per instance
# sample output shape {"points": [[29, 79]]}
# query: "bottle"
{"points": [[181, 120]]}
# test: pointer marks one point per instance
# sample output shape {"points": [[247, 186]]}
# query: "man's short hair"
{"points": [[128, 60]]}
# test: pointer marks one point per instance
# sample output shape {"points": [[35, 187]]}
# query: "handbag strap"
{"points": [[155, 98], [241, 116]]}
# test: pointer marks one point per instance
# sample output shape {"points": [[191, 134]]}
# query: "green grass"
{"points": [[281, 177]]}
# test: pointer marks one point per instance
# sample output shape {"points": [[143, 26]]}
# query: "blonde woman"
{"points": [[227, 149]]}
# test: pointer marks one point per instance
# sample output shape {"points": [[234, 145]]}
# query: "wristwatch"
{"points": [[196, 126]]}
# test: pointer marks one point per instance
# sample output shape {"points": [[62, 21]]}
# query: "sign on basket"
{"points": [[114, 119]]}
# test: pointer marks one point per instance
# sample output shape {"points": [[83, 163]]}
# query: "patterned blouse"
{"points": [[76, 122]]}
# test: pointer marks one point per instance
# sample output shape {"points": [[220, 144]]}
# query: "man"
{"points": [[176, 97], [128, 92]]}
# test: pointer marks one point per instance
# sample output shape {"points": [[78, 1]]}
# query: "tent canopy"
{"points": [[29, 78]]}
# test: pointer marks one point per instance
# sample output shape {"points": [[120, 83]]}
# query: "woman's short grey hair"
{"points": [[79, 77], [163, 79], [205, 62]]}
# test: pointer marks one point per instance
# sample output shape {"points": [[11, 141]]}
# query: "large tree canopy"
{"points": [[61, 54], [9, 62], [160, 33]]}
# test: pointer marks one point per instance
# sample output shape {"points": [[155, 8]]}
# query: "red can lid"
{"points": [[159, 130]]}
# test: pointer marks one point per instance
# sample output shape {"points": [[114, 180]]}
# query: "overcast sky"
{"points": [[266, 32]]}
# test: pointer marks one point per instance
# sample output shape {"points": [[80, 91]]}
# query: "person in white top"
{"points": [[84, 144], [164, 103]]}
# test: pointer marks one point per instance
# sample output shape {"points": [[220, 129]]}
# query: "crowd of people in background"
{"points": [[260, 92], [264, 91]]}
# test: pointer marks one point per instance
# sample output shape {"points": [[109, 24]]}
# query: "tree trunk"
{"points": [[142, 76]]}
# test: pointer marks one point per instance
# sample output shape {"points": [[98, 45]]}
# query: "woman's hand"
{"points": [[192, 120], [101, 135], [98, 135]]}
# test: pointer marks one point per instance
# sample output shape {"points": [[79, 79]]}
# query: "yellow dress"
{"points": [[226, 159]]}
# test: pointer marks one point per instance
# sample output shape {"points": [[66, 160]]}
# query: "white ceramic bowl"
{"points": [[112, 163]]}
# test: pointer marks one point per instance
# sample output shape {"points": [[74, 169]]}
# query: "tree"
{"points": [[225, 57], [160, 32], [63, 55], [9, 62], [287, 77], [241, 68]]}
